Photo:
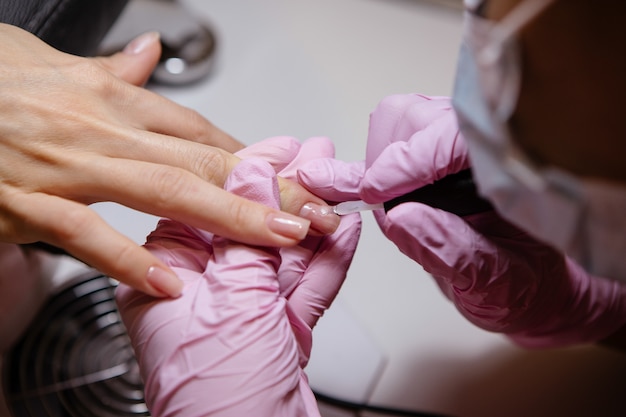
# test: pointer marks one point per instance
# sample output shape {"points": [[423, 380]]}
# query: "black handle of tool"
{"points": [[455, 193]]}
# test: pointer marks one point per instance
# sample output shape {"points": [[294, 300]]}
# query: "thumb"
{"points": [[135, 63], [332, 179]]}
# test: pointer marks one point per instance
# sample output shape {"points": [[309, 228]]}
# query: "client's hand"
{"points": [[75, 131]]}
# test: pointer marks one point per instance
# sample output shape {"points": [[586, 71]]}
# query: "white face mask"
{"points": [[582, 217]]}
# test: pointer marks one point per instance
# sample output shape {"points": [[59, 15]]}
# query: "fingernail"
{"points": [[322, 217], [287, 225], [165, 281], [141, 42]]}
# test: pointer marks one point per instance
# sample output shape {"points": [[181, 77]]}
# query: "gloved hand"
{"points": [[498, 277], [236, 342]]}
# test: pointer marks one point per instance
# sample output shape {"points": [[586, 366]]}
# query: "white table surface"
{"points": [[308, 68]]}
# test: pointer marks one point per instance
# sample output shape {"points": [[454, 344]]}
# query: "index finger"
{"points": [[429, 155], [147, 110]]}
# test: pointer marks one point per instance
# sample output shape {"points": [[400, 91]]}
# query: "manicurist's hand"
{"points": [[498, 277], [237, 341], [74, 131]]}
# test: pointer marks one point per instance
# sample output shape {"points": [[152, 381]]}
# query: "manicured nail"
{"points": [[287, 225], [165, 281], [141, 42], [322, 217]]}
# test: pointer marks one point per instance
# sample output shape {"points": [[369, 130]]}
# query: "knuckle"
{"points": [[197, 125], [241, 213], [211, 166], [95, 78], [125, 255], [89, 72], [242, 219], [73, 224], [168, 184]]}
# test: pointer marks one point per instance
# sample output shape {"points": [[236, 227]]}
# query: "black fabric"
{"points": [[73, 26]]}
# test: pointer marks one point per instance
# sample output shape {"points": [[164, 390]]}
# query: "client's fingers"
{"points": [[83, 234], [147, 110], [234, 264], [177, 194], [285, 154], [137, 61]]}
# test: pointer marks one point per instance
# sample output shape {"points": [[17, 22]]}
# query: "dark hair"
{"points": [[73, 26]]}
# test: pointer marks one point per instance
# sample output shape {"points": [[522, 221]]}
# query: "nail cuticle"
{"points": [[322, 217]]}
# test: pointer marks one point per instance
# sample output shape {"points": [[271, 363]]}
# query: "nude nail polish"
{"points": [[140, 43], [287, 225], [164, 281], [322, 217]]}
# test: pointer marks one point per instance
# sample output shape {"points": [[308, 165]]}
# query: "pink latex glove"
{"points": [[498, 277], [236, 342]]}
